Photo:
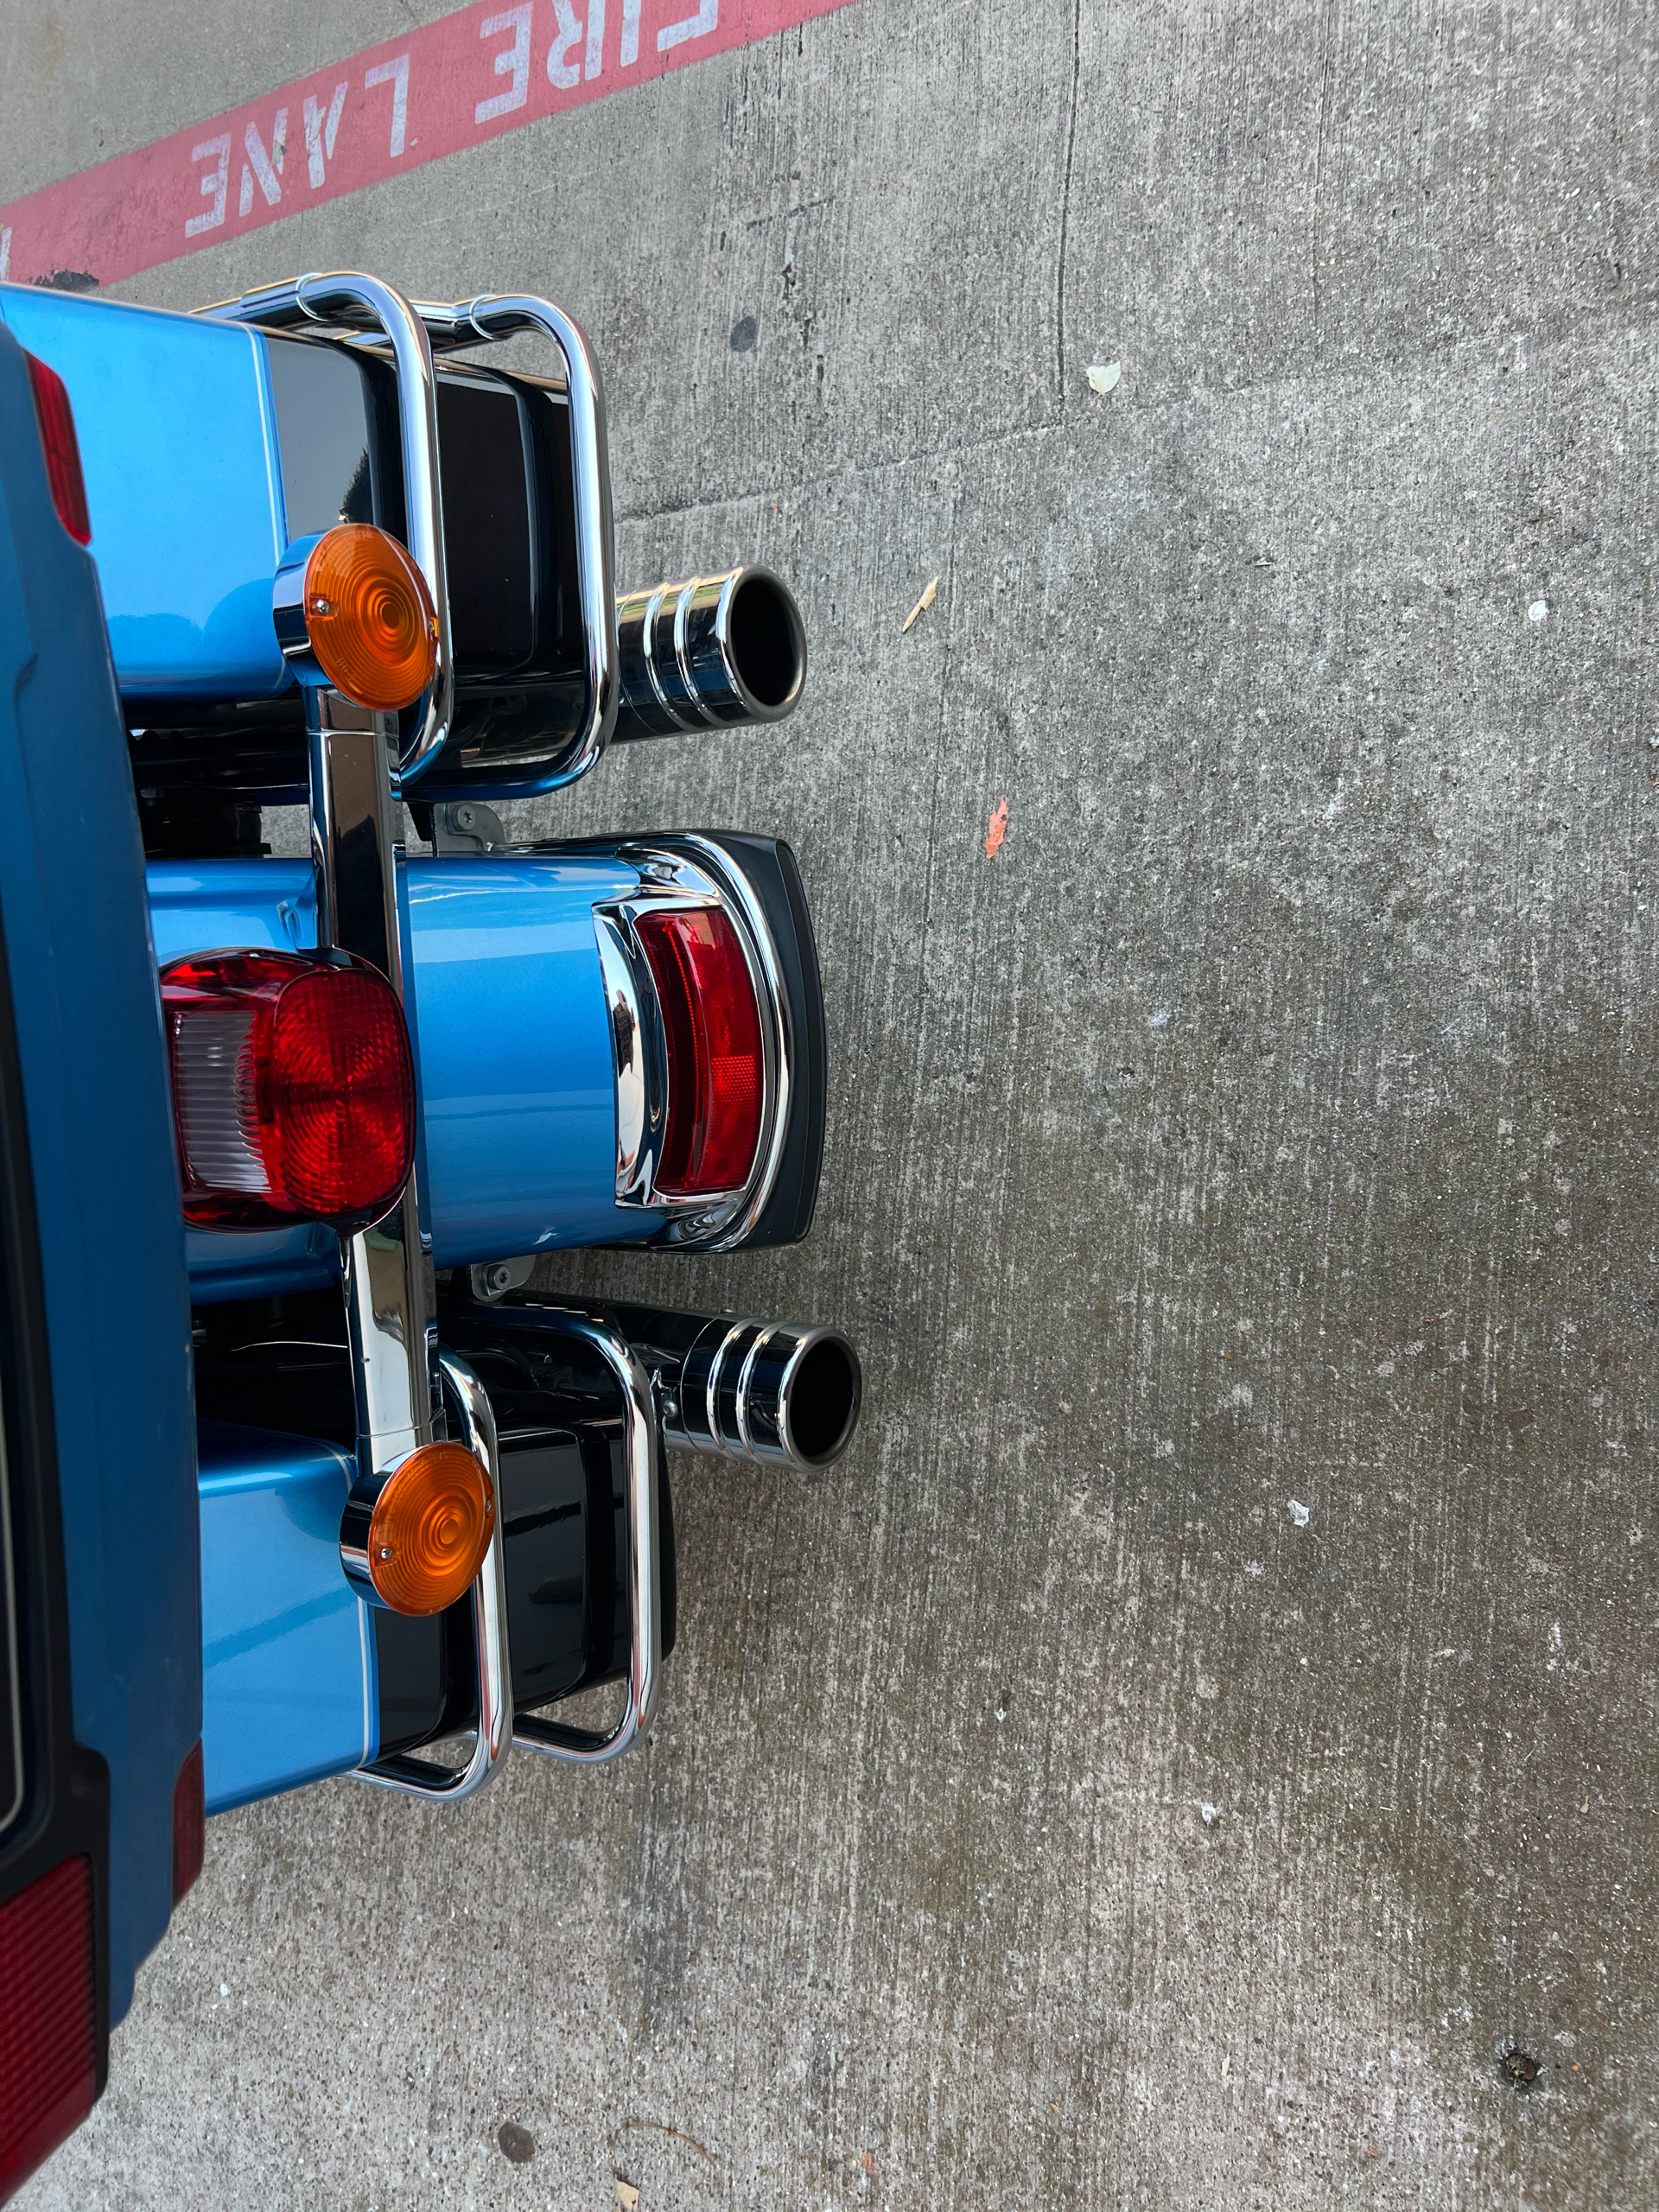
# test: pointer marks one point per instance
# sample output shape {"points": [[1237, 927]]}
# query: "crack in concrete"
{"points": [[1066, 215]]}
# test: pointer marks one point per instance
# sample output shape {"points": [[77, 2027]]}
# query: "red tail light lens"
{"points": [[293, 1090], [62, 449], [716, 1069], [48, 2017], [189, 1824]]}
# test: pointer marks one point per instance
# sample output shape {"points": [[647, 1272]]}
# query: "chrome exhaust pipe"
{"points": [[710, 653], [784, 1394]]}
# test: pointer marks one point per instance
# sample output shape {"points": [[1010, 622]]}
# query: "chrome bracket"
{"points": [[397, 1372], [419, 1777], [387, 1268], [491, 1280], [466, 826], [642, 1446]]}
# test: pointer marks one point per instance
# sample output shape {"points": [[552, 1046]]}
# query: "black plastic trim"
{"points": [[773, 870]]}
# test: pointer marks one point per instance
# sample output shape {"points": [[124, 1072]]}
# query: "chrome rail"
{"points": [[343, 300], [642, 1443], [419, 1777], [483, 321]]}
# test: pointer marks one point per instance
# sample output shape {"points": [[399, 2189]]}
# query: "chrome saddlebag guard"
{"points": [[607, 1387], [578, 1588], [573, 1406]]}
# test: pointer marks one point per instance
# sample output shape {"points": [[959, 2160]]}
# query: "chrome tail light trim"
{"points": [[679, 873]]}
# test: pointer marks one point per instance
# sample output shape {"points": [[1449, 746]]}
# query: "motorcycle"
{"points": [[350, 561]]}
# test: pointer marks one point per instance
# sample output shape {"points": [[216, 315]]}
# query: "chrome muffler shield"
{"points": [[779, 1394], [783, 1394], [713, 652]]}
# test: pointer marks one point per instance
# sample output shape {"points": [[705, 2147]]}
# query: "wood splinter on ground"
{"points": [[996, 830], [922, 605]]}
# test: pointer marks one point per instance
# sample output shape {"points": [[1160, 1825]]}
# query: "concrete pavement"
{"points": [[1205, 1728]]}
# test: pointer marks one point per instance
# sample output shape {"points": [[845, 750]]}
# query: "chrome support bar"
{"points": [[342, 300], [388, 1268], [397, 1372], [642, 1449], [417, 1777]]}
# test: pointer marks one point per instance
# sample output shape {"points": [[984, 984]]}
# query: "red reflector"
{"points": [[62, 449], [716, 1069], [293, 1089], [189, 1823], [48, 2017]]}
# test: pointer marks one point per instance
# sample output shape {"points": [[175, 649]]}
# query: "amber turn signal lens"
{"points": [[430, 1528], [369, 616]]}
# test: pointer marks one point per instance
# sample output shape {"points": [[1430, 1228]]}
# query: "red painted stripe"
{"points": [[467, 77]]}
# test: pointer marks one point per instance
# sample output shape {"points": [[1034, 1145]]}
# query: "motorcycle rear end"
{"points": [[350, 563]]}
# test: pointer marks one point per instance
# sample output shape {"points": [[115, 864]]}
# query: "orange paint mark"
{"points": [[870, 2163], [996, 830]]}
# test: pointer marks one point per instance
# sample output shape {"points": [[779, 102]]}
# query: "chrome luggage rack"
{"points": [[358, 771]]}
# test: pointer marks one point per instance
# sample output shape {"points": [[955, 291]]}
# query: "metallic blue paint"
{"points": [[178, 446], [99, 1122], [517, 1083], [287, 1651]]}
